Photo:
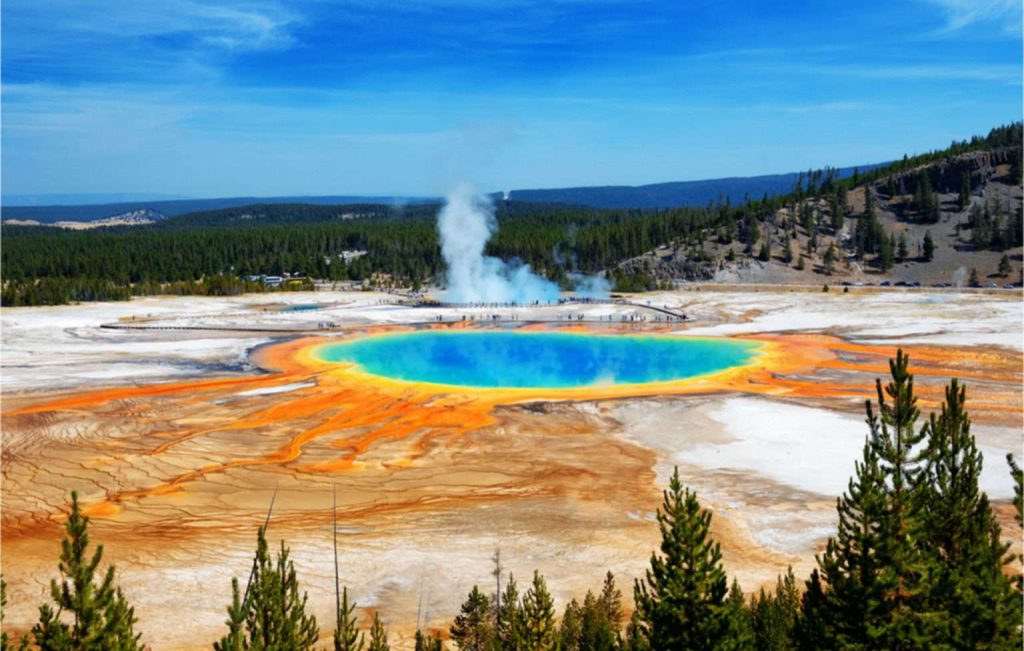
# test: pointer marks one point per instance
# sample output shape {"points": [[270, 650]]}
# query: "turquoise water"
{"points": [[301, 307], [537, 359]]}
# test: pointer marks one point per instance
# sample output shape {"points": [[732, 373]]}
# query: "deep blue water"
{"points": [[541, 360], [301, 307]]}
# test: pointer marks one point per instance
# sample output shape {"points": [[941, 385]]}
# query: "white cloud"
{"points": [[962, 13]]}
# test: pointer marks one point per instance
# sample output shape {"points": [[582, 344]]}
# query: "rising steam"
{"points": [[465, 224]]}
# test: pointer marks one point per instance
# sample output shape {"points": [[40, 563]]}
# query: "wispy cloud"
{"points": [[964, 13], [1009, 74], [222, 23]]}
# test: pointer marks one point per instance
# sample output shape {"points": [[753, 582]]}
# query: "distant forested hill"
{"points": [[87, 212], [658, 195], [680, 193]]}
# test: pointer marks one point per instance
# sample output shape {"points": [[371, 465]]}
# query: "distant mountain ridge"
{"points": [[678, 193], [656, 195], [173, 208]]}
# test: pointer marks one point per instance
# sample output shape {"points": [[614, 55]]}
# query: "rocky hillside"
{"points": [[955, 220]]}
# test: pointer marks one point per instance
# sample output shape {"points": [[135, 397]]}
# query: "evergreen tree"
{"points": [[428, 642], [815, 629], [1018, 488], [272, 614], [510, 618], [787, 252], [928, 247], [537, 624], [596, 631], [235, 639], [473, 629], [973, 281], [837, 216], [611, 602], [102, 618], [1018, 504], [976, 604], [739, 633], [378, 636], [874, 568], [885, 254], [1004, 266], [5, 640], [765, 254], [774, 615], [965, 190], [680, 602], [571, 629], [346, 633], [636, 637], [829, 260], [901, 248], [901, 464]]}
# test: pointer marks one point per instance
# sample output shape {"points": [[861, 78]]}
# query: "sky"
{"points": [[220, 98]]}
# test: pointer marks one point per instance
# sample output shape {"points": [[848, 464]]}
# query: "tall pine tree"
{"points": [[473, 629], [976, 603], [537, 624], [680, 603], [101, 616]]}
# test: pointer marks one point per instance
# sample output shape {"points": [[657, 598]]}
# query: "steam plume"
{"points": [[465, 224]]}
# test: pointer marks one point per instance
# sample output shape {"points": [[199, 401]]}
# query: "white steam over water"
{"points": [[465, 224]]}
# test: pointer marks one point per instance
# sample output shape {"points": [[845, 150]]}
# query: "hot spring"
{"points": [[513, 360]]}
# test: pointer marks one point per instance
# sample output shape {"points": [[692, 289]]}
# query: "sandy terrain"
{"points": [[177, 438]]}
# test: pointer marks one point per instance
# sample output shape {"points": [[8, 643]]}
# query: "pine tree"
{"points": [[965, 190], [928, 247], [874, 568], [510, 618], [5, 639], [829, 260], [571, 628], [975, 603], [885, 254], [774, 615], [428, 642], [1018, 504], [901, 463], [840, 616], [815, 629], [636, 638], [271, 614], [346, 633], [901, 248], [680, 602], [235, 639], [739, 626], [102, 617], [378, 635], [537, 624], [611, 602], [472, 629], [1018, 488], [1004, 266], [596, 631]]}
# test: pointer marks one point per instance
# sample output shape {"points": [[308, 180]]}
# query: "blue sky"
{"points": [[223, 98]]}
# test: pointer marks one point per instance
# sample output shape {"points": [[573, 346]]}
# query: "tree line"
{"points": [[46, 265], [917, 562]]}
